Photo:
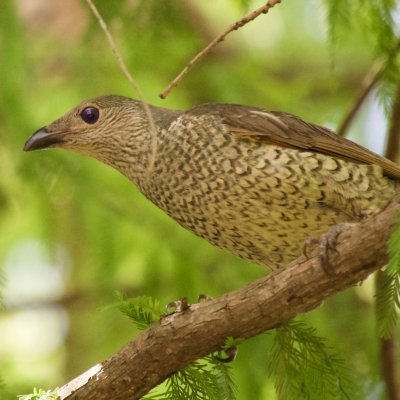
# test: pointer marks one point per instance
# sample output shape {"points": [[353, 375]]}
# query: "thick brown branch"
{"points": [[233, 27], [179, 339]]}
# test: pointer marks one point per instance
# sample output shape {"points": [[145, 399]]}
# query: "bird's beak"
{"points": [[42, 139]]}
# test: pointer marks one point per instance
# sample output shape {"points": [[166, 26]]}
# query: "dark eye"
{"points": [[90, 115]]}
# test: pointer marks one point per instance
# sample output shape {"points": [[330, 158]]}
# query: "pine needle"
{"points": [[205, 379], [40, 394], [388, 297], [305, 367], [374, 20], [142, 310]]}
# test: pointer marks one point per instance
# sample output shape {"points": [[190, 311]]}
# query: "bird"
{"points": [[256, 183]]}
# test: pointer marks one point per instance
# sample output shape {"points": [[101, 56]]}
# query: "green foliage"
{"points": [[142, 310], [304, 367], [113, 236], [375, 20], [302, 364], [388, 295], [4, 394], [40, 394], [205, 379]]}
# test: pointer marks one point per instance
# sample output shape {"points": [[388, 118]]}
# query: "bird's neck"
{"points": [[137, 152]]}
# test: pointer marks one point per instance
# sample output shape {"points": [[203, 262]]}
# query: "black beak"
{"points": [[42, 139]]}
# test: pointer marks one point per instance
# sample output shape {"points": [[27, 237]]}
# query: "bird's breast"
{"points": [[261, 202]]}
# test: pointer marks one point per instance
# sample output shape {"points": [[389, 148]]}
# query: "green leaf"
{"points": [[388, 294], [205, 379], [374, 19], [304, 367], [142, 310], [4, 394], [40, 394], [226, 385]]}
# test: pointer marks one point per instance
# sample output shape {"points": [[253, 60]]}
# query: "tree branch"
{"points": [[387, 347], [371, 78], [179, 339], [393, 143], [233, 27], [388, 367]]}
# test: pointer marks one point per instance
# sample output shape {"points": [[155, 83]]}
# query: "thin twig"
{"points": [[370, 80], [233, 27], [135, 86], [393, 142]]}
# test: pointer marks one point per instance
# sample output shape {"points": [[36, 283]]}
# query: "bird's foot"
{"points": [[177, 306], [230, 355], [203, 297], [326, 246], [181, 305], [225, 355]]}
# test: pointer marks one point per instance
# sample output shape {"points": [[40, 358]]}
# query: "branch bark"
{"points": [[179, 339]]}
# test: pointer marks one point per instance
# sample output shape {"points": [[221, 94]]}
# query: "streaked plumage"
{"points": [[253, 182]]}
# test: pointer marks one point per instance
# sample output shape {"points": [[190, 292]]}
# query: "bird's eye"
{"points": [[90, 115]]}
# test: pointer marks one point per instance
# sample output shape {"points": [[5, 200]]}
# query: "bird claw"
{"points": [[309, 246], [203, 297], [181, 305], [326, 245], [230, 352], [177, 306]]}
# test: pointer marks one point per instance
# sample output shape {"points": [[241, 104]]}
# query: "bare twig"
{"points": [[393, 142], [130, 79], [178, 339], [233, 27], [370, 80]]}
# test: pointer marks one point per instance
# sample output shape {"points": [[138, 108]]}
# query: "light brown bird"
{"points": [[254, 182]]}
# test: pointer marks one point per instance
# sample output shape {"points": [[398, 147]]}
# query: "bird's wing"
{"points": [[287, 130]]}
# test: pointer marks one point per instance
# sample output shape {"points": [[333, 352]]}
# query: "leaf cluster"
{"points": [[375, 19], [142, 310], [305, 367], [205, 379], [388, 295], [40, 394], [302, 364]]}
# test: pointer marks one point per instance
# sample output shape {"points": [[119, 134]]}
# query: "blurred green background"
{"points": [[72, 231]]}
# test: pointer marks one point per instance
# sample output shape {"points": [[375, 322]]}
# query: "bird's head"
{"points": [[104, 128]]}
